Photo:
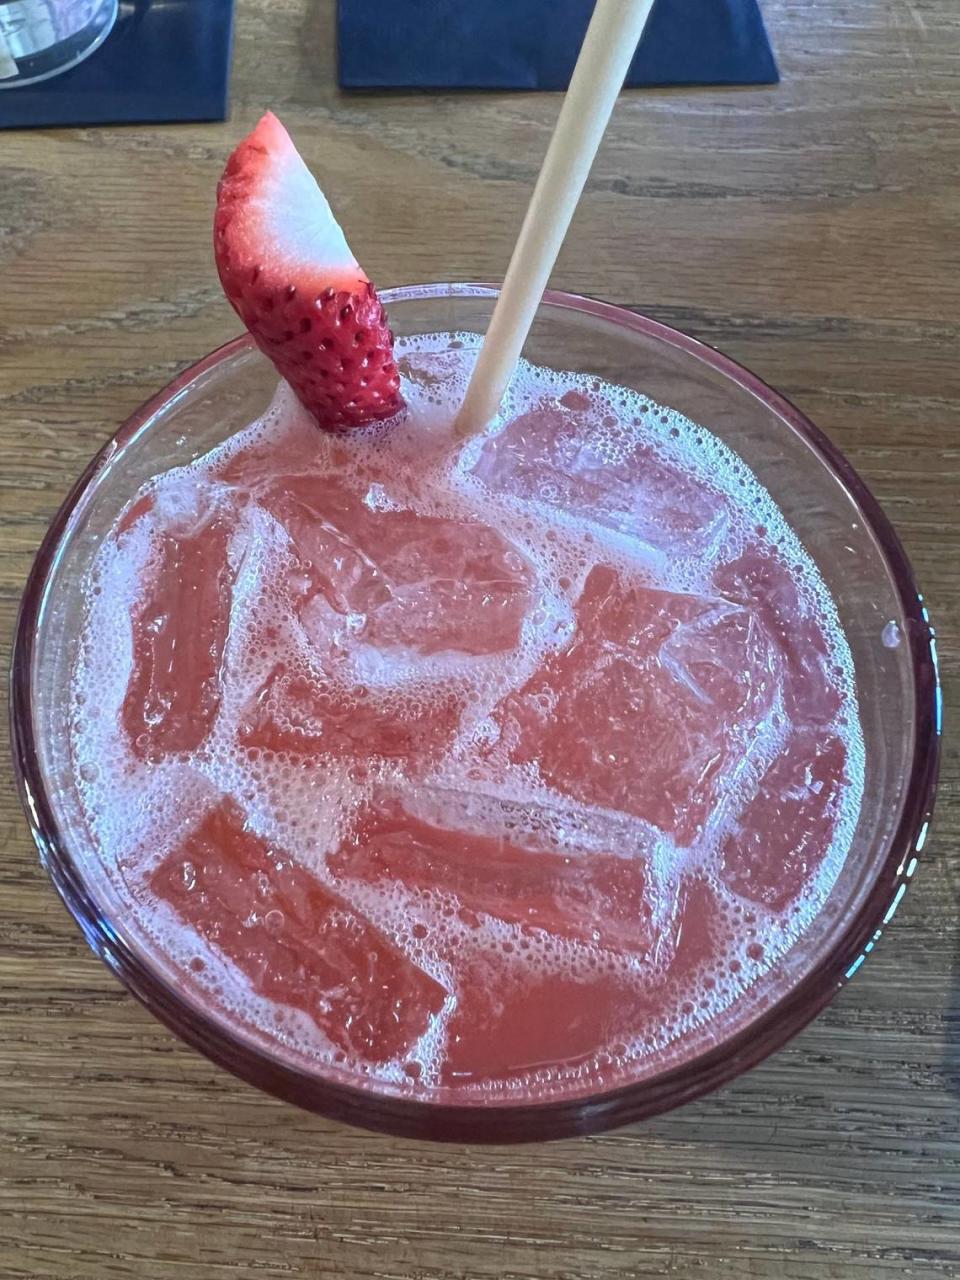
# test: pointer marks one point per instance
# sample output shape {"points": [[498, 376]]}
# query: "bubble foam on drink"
{"points": [[395, 638]]}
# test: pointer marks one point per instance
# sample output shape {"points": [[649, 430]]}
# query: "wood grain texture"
{"points": [[809, 230]]}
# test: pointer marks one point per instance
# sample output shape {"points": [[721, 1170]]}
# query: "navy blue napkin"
{"points": [[533, 44], [164, 61]]}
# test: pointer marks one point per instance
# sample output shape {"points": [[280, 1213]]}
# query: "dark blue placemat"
{"points": [[163, 61], [533, 44]]}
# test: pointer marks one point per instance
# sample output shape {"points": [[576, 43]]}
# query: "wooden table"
{"points": [[812, 231]]}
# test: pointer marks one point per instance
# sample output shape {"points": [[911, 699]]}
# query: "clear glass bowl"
{"points": [[827, 504], [40, 39]]}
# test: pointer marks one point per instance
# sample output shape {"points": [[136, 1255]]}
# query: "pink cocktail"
{"points": [[536, 777]]}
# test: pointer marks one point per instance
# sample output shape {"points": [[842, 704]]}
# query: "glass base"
{"points": [[43, 38]]}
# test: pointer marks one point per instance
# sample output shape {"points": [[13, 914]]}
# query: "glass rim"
{"points": [[500, 1121]]}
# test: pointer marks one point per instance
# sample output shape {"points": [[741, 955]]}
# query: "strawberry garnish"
{"points": [[290, 276]]}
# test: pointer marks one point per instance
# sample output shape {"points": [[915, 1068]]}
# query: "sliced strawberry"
{"points": [[289, 274]]}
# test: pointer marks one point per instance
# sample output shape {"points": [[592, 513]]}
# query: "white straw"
{"points": [[608, 48]]}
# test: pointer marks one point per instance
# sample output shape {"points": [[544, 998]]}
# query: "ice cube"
{"points": [[294, 940], [599, 899], [424, 584], [652, 704], [511, 1022], [784, 833], [307, 713], [179, 631], [760, 579], [549, 455], [701, 935]]}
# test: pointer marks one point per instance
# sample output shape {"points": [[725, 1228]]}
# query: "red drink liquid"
{"points": [[465, 772]]}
